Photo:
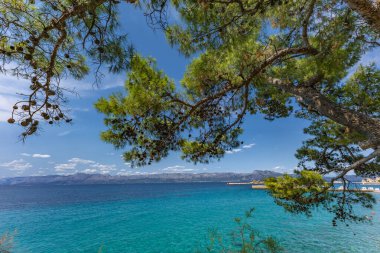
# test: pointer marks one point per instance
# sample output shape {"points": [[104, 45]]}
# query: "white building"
{"points": [[371, 180]]}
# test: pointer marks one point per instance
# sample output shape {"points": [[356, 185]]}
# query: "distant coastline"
{"points": [[81, 178], [255, 177]]}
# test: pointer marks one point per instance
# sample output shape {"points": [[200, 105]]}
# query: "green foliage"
{"points": [[144, 104], [153, 118], [265, 57], [361, 92], [305, 190], [47, 41], [332, 148], [244, 239], [262, 56]]}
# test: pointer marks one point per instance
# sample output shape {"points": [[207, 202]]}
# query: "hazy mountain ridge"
{"points": [[82, 178]]}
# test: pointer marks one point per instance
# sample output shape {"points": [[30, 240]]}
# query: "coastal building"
{"points": [[371, 180]]}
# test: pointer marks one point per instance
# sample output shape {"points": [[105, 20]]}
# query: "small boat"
{"points": [[364, 188]]}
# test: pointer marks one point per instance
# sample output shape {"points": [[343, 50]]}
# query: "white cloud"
{"points": [[103, 168], [41, 156], [65, 166], [235, 150], [72, 164], [281, 169], [36, 155], [76, 164], [249, 145], [80, 161], [177, 168], [174, 167], [90, 171], [17, 165], [124, 172], [134, 172]]}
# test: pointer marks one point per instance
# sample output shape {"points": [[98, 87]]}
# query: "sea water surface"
{"points": [[163, 218]]}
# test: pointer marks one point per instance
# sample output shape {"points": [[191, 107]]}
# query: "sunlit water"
{"points": [[163, 218]]}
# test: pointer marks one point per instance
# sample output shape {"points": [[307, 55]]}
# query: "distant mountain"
{"points": [[82, 178]]}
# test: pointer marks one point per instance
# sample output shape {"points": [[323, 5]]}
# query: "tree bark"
{"points": [[359, 122], [369, 10], [356, 164]]}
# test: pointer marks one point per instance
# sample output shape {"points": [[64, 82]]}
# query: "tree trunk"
{"points": [[359, 122], [369, 10]]}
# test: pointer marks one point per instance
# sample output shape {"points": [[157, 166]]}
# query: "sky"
{"points": [[77, 148]]}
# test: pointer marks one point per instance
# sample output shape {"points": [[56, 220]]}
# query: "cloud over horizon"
{"points": [[235, 150], [79, 165], [41, 156], [249, 145], [181, 169], [36, 155], [19, 165]]}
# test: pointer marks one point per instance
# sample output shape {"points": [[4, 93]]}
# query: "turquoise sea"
{"points": [[163, 218]]}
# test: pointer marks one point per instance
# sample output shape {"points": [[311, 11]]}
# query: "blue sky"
{"points": [[68, 149]]}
